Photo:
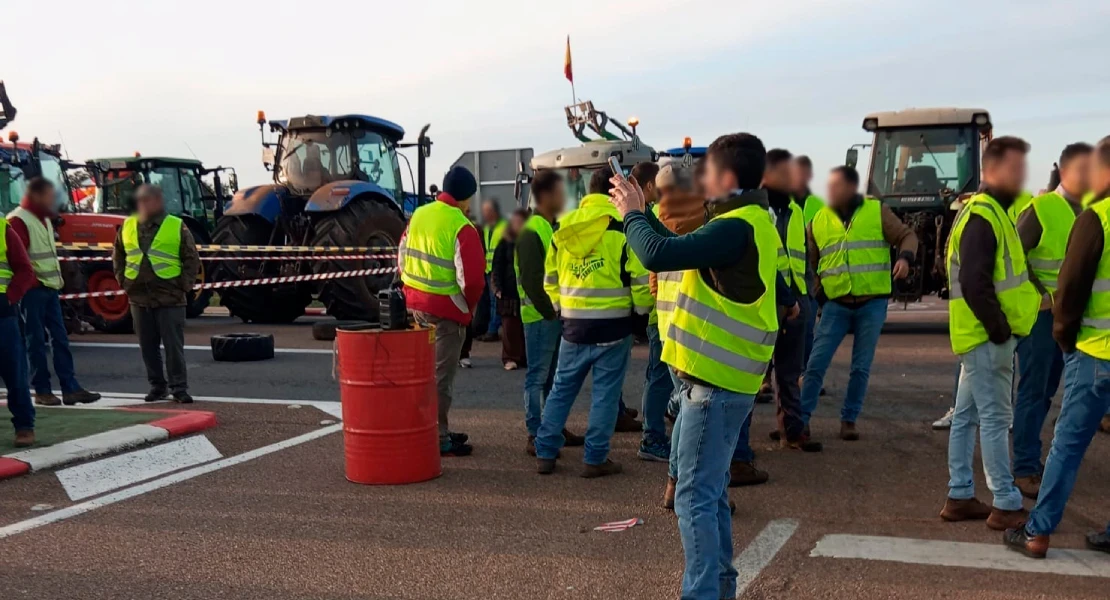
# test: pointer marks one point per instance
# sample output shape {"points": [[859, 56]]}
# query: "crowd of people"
{"points": [[747, 284]]}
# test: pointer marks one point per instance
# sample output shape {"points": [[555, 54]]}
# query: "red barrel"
{"points": [[387, 386]]}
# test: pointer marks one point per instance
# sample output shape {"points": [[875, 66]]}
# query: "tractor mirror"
{"points": [[233, 182], [268, 157], [852, 158]]}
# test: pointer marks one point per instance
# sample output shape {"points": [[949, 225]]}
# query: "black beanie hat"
{"points": [[459, 183]]}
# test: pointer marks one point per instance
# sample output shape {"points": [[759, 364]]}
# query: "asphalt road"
{"points": [[286, 525]]}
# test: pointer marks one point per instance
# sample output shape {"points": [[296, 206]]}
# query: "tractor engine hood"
{"points": [[337, 194]]}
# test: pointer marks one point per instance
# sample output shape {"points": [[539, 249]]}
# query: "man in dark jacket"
{"points": [[16, 277], [156, 263]]}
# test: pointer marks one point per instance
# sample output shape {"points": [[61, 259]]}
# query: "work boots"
{"points": [[970, 509], [604, 469], [47, 400], [1019, 540], [1030, 487], [848, 431], [24, 438], [1001, 520], [742, 474], [80, 397], [626, 423]]}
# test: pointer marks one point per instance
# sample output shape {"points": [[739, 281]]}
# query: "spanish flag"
{"points": [[567, 70]]}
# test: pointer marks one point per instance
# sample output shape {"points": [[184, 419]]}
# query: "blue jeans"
{"points": [[609, 364], [680, 389], [541, 341], [1086, 400], [742, 452], [42, 316], [1040, 365], [13, 370], [811, 325], [866, 322], [657, 388], [494, 316], [984, 399], [710, 422]]}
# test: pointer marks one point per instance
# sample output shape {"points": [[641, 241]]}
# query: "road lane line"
{"points": [[115, 399], [201, 348], [150, 486], [107, 474], [761, 551], [1082, 563]]}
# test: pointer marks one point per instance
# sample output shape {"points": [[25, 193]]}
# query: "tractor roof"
{"points": [[166, 160], [594, 154], [924, 117], [389, 128]]}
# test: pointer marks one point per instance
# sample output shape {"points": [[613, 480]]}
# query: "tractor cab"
{"points": [[19, 163], [186, 191]]}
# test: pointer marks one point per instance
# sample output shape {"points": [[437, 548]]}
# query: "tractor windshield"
{"points": [[13, 183], [115, 191], [924, 161], [53, 172], [12, 186], [315, 157], [180, 187]]}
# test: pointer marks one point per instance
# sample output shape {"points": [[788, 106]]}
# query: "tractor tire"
{"points": [[363, 222], [278, 303], [325, 330], [108, 314], [200, 299], [242, 347]]}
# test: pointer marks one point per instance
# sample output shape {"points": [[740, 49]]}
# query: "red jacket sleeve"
{"points": [[469, 247], [23, 276], [21, 229]]}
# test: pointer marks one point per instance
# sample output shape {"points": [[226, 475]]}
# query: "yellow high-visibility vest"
{"points": [[853, 260], [1056, 217], [1094, 331], [792, 259], [164, 253], [428, 253], [491, 237], [542, 227], [42, 250], [1016, 294], [5, 268], [717, 340]]}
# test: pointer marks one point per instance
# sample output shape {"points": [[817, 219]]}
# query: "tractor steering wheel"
{"points": [[376, 171]]}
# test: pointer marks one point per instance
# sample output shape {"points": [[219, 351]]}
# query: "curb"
{"points": [[37, 459]]}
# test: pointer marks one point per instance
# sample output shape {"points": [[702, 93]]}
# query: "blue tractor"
{"points": [[337, 182]]}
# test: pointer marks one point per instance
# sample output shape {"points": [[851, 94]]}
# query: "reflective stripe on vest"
{"points": [[667, 285], [792, 258], [542, 227], [596, 285], [428, 251], [491, 237], [853, 260], [719, 341], [1056, 217], [41, 250], [1016, 295], [5, 268], [164, 253], [1094, 331]]}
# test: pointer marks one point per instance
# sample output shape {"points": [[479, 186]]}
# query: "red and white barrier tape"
{"points": [[218, 258], [107, 247], [219, 285]]}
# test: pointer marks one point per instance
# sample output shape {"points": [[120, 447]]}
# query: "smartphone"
{"points": [[615, 166]]}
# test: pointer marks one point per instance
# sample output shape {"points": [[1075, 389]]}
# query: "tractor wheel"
{"points": [[280, 303], [364, 222], [110, 314], [199, 299]]}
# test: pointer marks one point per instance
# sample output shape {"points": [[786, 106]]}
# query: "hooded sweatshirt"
{"points": [[680, 212], [591, 238]]}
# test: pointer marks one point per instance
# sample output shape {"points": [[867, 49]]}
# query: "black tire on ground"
{"points": [[325, 330], [282, 303], [200, 300], [242, 347], [366, 221]]}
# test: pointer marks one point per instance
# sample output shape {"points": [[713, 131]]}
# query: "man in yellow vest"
{"points": [[493, 231], [1081, 311], [992, 304], [156, 263], [443, 267], [811, 204], [597, 285], [849, 248], [41, 308], [16, 277], [1044, 227], [720, 338]]}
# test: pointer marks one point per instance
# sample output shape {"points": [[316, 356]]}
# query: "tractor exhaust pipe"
{"points": [[424, 150]]}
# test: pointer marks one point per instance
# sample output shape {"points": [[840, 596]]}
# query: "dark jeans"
{"points": [[1040, 364], [866, 322], [494, 316], [512, 341], [789, 358], [162, 327], [13, 370], [657, 388], [42, 317]]}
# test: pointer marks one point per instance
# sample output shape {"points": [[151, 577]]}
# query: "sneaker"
{"points": [[1019, 540], [458, 438], [80, 397], [465, 363], [24, 438], [668, 493], [511, 365], [627, 423], [155, 395], [182, 398], [1099, 541], [970, 509], [545, 466], [655, 451], [945, 423], [1104, 425], [604, 469], [450, 447], [1030, 487], [47, 400], [571, 440], [743, 474], [1001, 520], [848, 431]]}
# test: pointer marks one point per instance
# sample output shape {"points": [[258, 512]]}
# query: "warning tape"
{"points": [[219, 285], [232, 248], [219, 258]]}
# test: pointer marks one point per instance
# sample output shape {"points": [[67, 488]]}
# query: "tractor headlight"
{"points": [[870, 124]]}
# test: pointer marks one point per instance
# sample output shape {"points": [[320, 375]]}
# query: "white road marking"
{"points": [[1083, 563], [105, 475], [761, 551], [115, 399], [150, 486], [202, 348], [90, 446]]}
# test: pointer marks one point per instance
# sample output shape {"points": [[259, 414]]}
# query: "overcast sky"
{"points": [[113, 77]]}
